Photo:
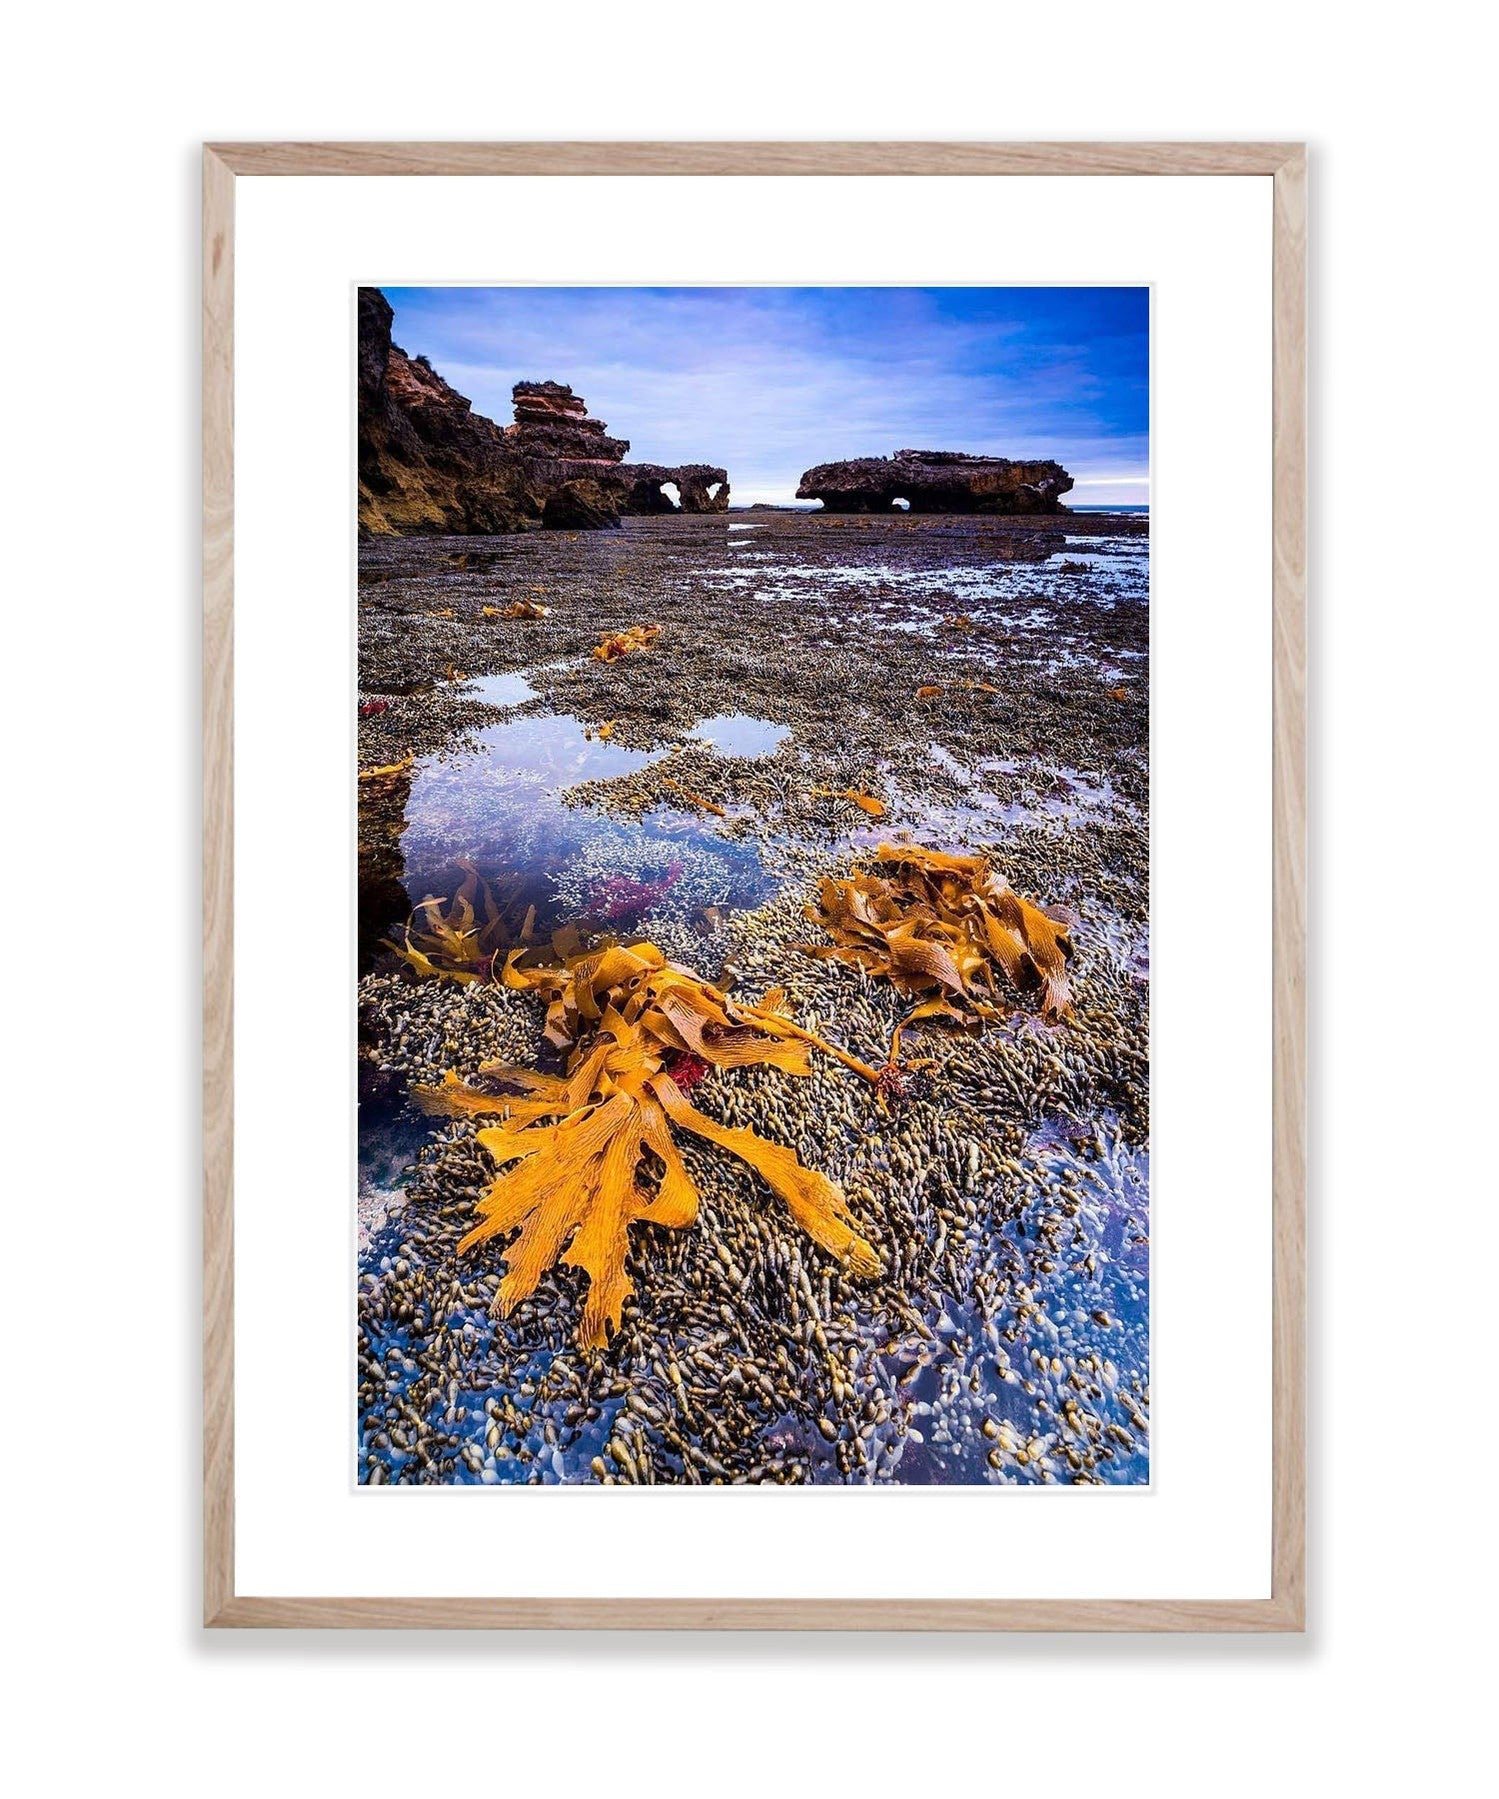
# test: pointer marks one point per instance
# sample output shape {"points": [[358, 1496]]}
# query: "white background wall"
{"points": [[104, 109]]}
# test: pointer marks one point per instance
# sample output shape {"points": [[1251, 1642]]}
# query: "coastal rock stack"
{"points": [[428, 463], [562, 444], [568, 456], [937, 481], [552, 424]]}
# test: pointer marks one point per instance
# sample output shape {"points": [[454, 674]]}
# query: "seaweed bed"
{"points": [[819, 686]]}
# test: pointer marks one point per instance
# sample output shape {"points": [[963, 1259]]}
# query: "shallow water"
{"points": [[390, 1134], [737, 734], [1032, 601], [501, 803], [1087, 1311], [500, 690]]}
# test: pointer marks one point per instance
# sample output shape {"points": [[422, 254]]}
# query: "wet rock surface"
{"points": [[1005, 1188]]}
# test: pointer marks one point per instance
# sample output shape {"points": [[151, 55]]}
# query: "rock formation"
{"points": [[552, 425], [560, 442], [579, 506], [429, 463], [703, 488], [937, 481]]}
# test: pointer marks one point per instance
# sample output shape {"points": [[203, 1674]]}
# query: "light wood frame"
{"points": [[1285, 1609]]}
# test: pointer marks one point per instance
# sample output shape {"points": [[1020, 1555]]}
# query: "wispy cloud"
{"points": [[767, 381]]}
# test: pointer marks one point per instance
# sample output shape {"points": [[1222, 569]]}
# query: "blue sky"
{"points": [[766, 381]]}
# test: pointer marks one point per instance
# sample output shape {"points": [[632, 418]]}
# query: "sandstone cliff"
{"points": [[429, 463]]}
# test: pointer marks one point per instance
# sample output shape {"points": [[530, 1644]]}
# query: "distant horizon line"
{"points": [[1094, 490], [817, 506]]}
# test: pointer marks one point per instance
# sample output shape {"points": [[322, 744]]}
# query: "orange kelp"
{"points": [[935, 689], [459, 940], [626, 1016], [390, 771], [866, 802], [938, 927], [625, 643], [695, 799], [517, 609]]}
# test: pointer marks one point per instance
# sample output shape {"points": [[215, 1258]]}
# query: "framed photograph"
{"points": [[754, 886]]}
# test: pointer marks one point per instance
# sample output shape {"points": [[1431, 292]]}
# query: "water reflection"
{"points": [[500, 690], [503, 804], [737, 734]]}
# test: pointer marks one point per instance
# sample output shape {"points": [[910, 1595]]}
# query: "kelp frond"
{"points": [[935, 689], [626, 1017], [516, 609], [866, 802], [459, 939], [940, 928], [694, 799], [625, 643], [390, 771]]}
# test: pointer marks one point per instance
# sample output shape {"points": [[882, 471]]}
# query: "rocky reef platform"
{"points": [[986, 681]]}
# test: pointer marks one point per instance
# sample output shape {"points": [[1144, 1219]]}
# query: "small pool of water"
{"points": [[737, 734], [501, 804], [500, 690]]}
